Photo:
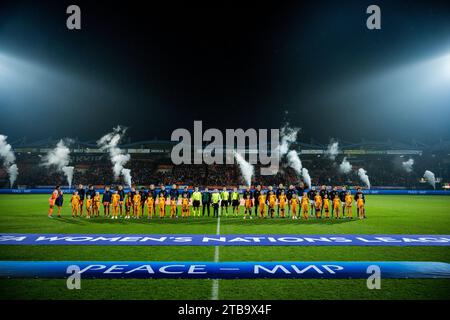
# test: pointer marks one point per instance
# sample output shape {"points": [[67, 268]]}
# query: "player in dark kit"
{"points": [[311, 196], [174, 194], [144, 195], [342, 195], [206, 201], [331, 195], [121, 194], [289, 193], [323, 191], [81, 194], [256, 194], [278, 193]]}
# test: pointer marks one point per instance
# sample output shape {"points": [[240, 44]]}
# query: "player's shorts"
{"points": [[235, 203], [59, 202], [106, 203], [51, 201], [224, 203], [196, 203]]}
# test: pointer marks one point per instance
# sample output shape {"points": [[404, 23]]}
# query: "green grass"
{"points": [[386, 215]]}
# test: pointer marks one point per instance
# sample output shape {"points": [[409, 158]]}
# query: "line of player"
{"points": [[295, 202]]}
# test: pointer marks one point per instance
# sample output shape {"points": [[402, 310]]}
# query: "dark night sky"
{"points": [[159, 67]]}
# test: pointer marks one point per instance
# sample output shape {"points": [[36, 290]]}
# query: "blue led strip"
{"points": [[226, 239], [224, 270]]}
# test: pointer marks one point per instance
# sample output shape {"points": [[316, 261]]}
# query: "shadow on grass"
{"points": [[206, 220]]}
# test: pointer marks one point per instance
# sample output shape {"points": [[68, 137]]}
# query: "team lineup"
{"points": [[294, 203]]}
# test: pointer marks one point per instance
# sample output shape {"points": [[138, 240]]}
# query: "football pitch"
{"points": [[386, 215]]}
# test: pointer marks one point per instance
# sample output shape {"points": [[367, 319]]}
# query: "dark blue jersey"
{"points": [[121, 194], [174, 194], [81, 193], [107, 196]]}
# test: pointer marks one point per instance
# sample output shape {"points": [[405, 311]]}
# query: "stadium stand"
{"points": [[151, 163]]}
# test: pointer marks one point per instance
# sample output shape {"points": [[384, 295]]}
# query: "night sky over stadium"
{"points": [[159, 67]]}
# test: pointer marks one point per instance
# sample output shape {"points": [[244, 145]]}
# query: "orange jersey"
{"points": [[150, 201], [318, 200], [115, 199], [96, 200], [137, 199], [294, 202], [348, 200], [88, 203], [326, 203], [262, 199], [305, 201], [336, 202], [162, 201], [75, 200], [282, 200], [173, 203], [185, 202], [360, 203], [272, 199]]}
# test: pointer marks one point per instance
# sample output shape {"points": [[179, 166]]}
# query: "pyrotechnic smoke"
{"points": [[364, 177], [60, 158], [246, 168], [431, 179], [9, 158], [306, 177], [288, 136], [294, 161], [118, 156], [407, 165], [332, 150], [345, 167]]}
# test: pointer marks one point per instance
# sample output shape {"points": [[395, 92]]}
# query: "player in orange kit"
{"points": [[173, 208], [115, 199], [360, 206], [348, 205], [150, 206], [75, 202], [282, 204], [262, 205], [162, 206], [248, 203], [51, 201], [88, 206], [318, 205], [271, 201], [337, 207], [136, 205], [294, 206], [326, 206], [305, 205], [184, 206], [96, 204]]}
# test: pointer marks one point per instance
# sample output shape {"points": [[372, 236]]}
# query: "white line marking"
{"points": [[215, 283]]}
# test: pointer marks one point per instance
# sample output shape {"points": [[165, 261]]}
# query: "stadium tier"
{"points": [[151, 163]]}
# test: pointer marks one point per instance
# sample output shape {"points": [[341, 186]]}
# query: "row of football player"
{"points": [[135, 203]]}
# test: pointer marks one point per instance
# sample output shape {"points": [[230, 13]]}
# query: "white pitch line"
{"points": [[215, 283]]}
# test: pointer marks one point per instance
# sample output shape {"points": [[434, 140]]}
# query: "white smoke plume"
{"points": [[407, 165], [364, 177], [345, 166], [306, 177], [9, 158], [431, 179], [247, 169], [332, 150], [59, 157], [294, 161], [288, 136], [118, 156]]}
